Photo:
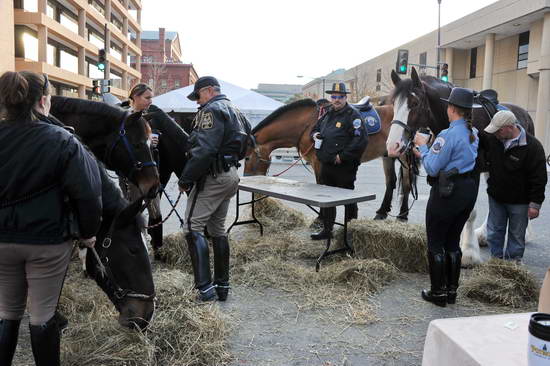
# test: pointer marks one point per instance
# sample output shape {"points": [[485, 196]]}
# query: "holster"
{"points": [[446, 182]]}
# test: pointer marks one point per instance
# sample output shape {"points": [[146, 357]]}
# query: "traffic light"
{"points": [[105, 86], [96, 89], [402, 61], [445, 72], [102, 60]]}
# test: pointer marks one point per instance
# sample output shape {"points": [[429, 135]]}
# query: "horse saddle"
{"points": [[364, 105], [488, 99], [372, 121]]}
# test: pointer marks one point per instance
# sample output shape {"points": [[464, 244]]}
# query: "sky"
{"points": [[247, 42]]}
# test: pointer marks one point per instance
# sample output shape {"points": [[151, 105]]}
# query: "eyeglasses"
{"points": [[337, 96], [46, 87]]}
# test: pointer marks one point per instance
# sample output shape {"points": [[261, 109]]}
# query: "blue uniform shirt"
{"points": [[451, 149]]}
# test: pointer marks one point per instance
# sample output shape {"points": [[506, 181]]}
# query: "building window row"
{"points": [[523, 50]]}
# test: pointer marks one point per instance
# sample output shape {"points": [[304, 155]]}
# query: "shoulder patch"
{"points": [[438, 144], [356, 123], [371, 121], [207, 121]]}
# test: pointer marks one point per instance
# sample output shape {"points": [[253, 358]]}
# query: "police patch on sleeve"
{"points": [[356, 123], [437, 145], [207, 121]]}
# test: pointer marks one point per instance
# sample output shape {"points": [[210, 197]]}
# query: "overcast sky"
{"points": [[246, 42]]}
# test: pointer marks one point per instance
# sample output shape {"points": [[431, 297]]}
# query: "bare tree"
{"points": [[156, 72], [359, 86]]}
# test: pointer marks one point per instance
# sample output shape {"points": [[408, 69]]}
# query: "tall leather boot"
{"points": [[9, 331], [437, 294], [220, 244], [329, 216], [200, 260], [45, 341], [453, 263]]}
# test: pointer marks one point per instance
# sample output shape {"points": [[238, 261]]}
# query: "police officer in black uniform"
{"points": [[342, 137], [218, 141]]}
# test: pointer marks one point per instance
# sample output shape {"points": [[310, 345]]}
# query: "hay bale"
{"points": [[174, 252], [502, 282], [368, 275], [277, 216], [182, 333], [402, 244]]}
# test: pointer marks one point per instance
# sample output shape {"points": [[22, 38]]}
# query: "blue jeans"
{"points": [[502, 215]]}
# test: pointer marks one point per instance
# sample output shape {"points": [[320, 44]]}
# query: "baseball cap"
{"points": [[501, 119], [202, 82]]}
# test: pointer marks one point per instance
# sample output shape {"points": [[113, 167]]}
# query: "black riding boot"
{"points": [[453, 263], [9, 331], [329, 216], [198, 251], [438, 293], [45, 341], [220, 245]]}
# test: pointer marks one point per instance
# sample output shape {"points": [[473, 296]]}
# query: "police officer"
{"points": [[210, 175], [450, 166], [342, 137]]}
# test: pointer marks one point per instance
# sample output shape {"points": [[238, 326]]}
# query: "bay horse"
{"points": [[115, 136], [417, 103], [290, 126], [122, 269]]}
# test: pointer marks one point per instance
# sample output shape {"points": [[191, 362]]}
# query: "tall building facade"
{"points": [[62, 38], [161, 62], [281, 92]]}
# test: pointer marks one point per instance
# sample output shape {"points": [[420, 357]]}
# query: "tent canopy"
{"points": [[248, 101]]}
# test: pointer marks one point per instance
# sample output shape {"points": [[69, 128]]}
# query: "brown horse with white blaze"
{"points": [[291, 125]]}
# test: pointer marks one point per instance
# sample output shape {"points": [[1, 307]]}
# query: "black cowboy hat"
{"points": [[339, 88], [202, 82], [461, 97]]}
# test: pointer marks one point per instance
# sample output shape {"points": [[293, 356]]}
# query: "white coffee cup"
{"points": [[317, 140]]}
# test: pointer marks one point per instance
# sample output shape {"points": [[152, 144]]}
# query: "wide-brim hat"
{"points": [[461, 97], [338, 88], [202, 82]]}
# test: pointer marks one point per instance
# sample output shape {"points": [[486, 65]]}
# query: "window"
{"points": [[68, 61], [95, 39], [378, 75], [423, 60], [523, 50], [68, 22], [378, 87], [151, 82], [177, 83], [163, 83], [473, 63]]}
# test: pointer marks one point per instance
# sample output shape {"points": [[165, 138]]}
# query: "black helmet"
{"points": [[461, 97]]}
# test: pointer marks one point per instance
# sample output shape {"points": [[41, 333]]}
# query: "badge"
{"points": [[338, 124], [371, 121], [356, 123], [207, 121], [438, 144]]}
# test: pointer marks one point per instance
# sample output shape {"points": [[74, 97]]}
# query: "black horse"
{"points": [[417, 103], [116, 137], [122, 268]]}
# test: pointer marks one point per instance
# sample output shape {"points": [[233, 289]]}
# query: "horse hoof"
{"points": [[470, 259], [380, 217]]}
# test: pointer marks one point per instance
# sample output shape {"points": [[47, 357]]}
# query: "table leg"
{"points": [[254, 220], [254, 216], [328, 252]]}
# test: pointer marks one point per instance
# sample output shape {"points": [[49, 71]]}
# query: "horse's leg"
{"points": [[468, 243], [391, 180], [406, 190], [481, 232], [82, 255]]}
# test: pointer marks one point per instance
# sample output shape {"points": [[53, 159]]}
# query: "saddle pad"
{"points": [[372, 121]]}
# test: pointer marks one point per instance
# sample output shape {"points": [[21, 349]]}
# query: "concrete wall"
{"points": [[7, 61]]}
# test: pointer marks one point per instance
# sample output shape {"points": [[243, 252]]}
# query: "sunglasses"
{"points": [[337, 96]]}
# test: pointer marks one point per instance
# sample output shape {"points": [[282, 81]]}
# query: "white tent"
{"points": [[254, 105]]}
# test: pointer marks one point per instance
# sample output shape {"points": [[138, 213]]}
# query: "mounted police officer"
{"points": [[450, 166], [217, 142], [340, 140]]}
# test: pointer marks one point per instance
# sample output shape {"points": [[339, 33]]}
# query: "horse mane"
{"points": [[405, 86], [166, 124], [302, 103], [66, 105]]}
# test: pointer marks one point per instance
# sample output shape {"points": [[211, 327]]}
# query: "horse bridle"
{"points": [[105, 271], [136, 164], [259, 158], [410, 136]]}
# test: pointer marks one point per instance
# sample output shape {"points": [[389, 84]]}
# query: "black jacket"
{"points": [[41, 165], [217, 132], [343, 133], [517, 175]]}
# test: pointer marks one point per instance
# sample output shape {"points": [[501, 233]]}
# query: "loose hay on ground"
{"points": [[503, 283], [182, 333], [174, 252], [277, 216], [402, 244]]}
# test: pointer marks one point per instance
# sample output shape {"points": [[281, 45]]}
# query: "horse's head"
{"points": [[124, 271], [257, 160]]}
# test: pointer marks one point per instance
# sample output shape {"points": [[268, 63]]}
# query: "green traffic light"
{"points": [[101, 67], [403, 68], [445, 78]]}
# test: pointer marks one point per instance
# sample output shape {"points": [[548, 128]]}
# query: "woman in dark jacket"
{"points": [[46, 177]]}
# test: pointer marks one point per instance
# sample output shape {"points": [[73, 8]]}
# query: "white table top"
{"points": [[308, 193]]}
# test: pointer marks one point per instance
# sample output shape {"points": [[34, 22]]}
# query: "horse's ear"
{"points": [[395, 78], [415, 78], [129, 214], [134, 117]]}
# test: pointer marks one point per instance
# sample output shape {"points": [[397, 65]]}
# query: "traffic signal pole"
{"points": [[438, 35]]}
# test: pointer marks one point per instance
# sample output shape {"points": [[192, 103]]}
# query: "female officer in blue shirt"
{"points": [[453, 154]]}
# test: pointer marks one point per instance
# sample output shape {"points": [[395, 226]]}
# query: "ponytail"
{"points": [[19, 93], [468, 119]]}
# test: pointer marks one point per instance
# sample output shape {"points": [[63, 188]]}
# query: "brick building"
{"points": [[161, 65]]}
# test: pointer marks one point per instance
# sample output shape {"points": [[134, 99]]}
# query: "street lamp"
{"points": [[311, 77], [438, 34]]}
